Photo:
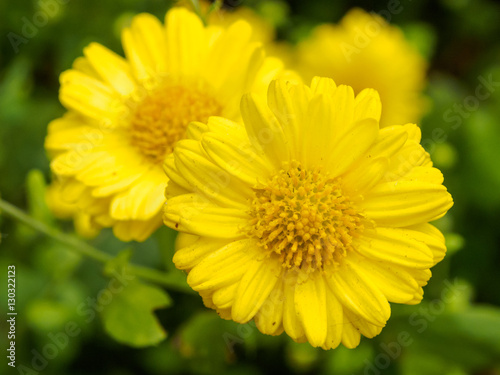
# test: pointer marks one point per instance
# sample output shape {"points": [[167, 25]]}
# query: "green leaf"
{"points": [[129, 317], [118, 263], [468, 339]]}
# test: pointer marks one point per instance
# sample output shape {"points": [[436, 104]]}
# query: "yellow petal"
{"points": [[356, 293], [367, 105], [281, 104], [335, 320], [143, 200], [399, 246], [186, 41], [113, 69], [291, 322], [364, 176], [323, 85], [310, 303], [352, 146], [264, 130], [236, 158], [223, 298], [225, 53], [194, 214], [425, 174], [187, 257], [148, 51], [394, 282], [269, 319], [343, 108], [404, 203], [389, 141], [433, 238], [321, 130], [89, 97], [260, 278], [405, 160], [350, 335], [195, 130], [224, 266], [206, 178], [136, 230], [364, 327]]}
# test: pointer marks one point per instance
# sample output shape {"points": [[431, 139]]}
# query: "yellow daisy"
{"points": [[310, 218], [364, 51], [64, 209], [126, 114]]}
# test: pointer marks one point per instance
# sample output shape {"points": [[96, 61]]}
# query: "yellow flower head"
{"points": [[310, 218], [364, 51], [126, 114]]}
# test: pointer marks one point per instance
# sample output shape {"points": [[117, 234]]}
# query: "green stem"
{"points": [[149, 274]]}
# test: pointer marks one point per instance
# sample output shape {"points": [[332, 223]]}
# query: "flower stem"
{"points": [[168, 280]]}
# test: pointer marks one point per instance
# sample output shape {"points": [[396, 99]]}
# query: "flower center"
{"points": [[161, 117], [303, 217]]}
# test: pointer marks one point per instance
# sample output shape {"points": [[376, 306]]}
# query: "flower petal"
{"points": [[350, 335], [113, 69], [187, 257], [399, 246], [194, 214], [394, 282], [260, 278], [224, 266], [264, 130], [269, 319], [356, 293], [352, 146], [237, 158], [404, 203], [367, 105], [310, 304], [433, 238], [208, 179], [335, 320], [291, 322]]}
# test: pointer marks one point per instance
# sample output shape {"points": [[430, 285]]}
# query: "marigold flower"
{"points": [[364, 51], [310, 218], [126, 114]]}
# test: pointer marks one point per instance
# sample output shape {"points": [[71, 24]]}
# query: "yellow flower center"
{"points": [[304, 217], [161, 117]]}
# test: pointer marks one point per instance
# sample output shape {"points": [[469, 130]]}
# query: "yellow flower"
{"points": [[126, 114], [364, 51], [310, 218], [64, 209]]}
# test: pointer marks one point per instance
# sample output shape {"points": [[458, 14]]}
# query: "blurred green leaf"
{"points": [[343, 361], [467, 338], [118, 263], [454, 242], [129, 317]]}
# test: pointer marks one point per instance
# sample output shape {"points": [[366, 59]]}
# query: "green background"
{"points": [[455, 330]]}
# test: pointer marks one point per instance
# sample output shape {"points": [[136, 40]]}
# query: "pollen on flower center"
{"points": [[303, 217], [160, 119]]}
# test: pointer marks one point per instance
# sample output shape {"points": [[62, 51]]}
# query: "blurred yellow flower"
{"points": [[126, 114], [364, 51], [310, 218], [64, 209]]}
